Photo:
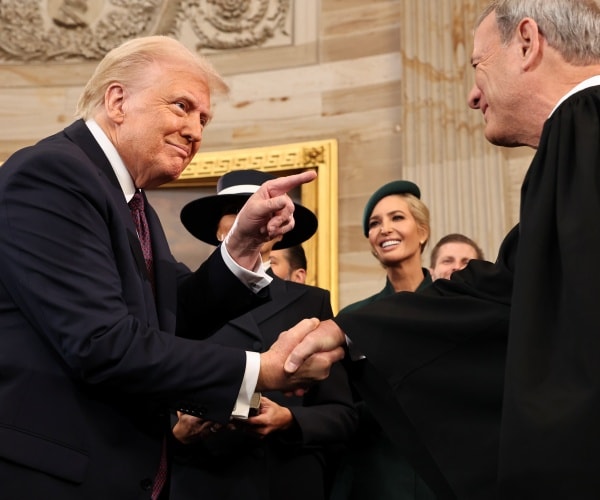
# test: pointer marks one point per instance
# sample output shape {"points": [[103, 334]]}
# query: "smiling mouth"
{"points": [[185, 152], [389, 243]]}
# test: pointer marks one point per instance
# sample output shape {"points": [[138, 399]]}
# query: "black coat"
{"points": [[434, 370], [437, 360], [289, 464]]}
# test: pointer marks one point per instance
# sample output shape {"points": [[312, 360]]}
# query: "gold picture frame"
{"points": [[320, 196]]}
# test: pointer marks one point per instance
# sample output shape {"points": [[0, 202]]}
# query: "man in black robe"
{"points": [[491, 380]]}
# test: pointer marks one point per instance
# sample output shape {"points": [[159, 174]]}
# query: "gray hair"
{"points": [[129, 62], [572, 27]]}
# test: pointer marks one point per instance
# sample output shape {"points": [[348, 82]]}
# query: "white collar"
{"points": [[123, 176], [590, 82]]}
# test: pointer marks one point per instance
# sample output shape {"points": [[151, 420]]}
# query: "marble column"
{"points": [[469, 185]]}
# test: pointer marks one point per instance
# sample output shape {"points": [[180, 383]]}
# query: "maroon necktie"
{"points": [[141, 224], [161, 474]]}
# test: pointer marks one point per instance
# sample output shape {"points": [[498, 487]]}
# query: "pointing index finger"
{"points": [[282, 185]]}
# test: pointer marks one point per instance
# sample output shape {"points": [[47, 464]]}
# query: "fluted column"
{"points": [[466, 182]]}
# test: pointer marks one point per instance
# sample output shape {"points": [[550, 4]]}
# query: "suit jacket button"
{"points": [[146, 484]]}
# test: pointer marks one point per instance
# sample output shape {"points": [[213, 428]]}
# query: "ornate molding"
{"points": [[233, 24], [84, 30], [206, 168]]}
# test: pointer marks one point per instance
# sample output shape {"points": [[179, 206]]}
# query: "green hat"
{"points": [[394, 187]]}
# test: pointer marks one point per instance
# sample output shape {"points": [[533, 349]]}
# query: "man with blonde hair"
{"points": [[90, 294]]}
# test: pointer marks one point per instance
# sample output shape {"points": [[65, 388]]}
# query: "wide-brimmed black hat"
{"points": [[201, 217]]}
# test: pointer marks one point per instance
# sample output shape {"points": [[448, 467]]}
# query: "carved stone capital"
{"points": [[84, 30]]}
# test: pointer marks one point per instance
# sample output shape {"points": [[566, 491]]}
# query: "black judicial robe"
{"points": [[550, 436], [373, 465], [434, 369], [436, 360]]}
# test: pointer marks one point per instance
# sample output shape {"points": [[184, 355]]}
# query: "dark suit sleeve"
{"points": [[440, 353]]}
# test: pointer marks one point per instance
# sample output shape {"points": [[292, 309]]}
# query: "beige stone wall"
{"points": [[387, 79]]}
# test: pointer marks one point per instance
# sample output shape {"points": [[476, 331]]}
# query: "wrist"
{"points": [[245, 252], [288, 418], [262, 383]]}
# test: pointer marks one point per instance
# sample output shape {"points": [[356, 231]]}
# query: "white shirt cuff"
{"points": [[242, 405], [255, 280]]}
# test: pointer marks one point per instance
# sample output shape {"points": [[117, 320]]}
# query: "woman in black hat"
{"points": [[201, 217], [263, 457]]}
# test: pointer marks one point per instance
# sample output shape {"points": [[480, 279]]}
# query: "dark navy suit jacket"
{"points": [[89, 361]]}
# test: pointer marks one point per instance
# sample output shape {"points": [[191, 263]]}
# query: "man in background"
{"points": [[452, 253], [289, 263]]}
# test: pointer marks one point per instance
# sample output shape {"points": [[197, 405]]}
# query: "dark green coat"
{"points": [[387, 290]]}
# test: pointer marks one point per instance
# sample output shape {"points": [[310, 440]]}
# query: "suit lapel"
{"points": [[247, 324], [282, 296], [81, 135]]}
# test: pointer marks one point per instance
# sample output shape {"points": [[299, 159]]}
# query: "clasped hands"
{"points": [[303, 354], [267, 214], [300, 357]]}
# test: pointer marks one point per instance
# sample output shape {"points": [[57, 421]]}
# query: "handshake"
{"points": [[301, 356], [304, 353]]}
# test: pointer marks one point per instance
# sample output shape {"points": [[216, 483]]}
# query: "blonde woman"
{"points": [[396, 223]]}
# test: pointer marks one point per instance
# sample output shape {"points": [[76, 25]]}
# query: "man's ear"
{"points": [[114, 98], [298, 275], [529, 39]]}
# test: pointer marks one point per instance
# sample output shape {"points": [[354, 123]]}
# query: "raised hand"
{"points": [[267, 214]]}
